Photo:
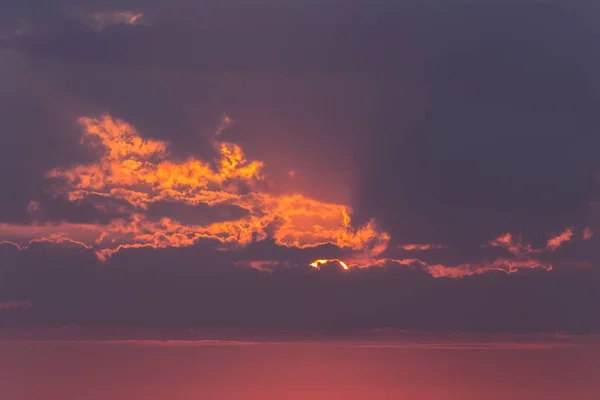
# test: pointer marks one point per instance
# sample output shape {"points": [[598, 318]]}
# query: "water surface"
{"points": [[121, 370]]}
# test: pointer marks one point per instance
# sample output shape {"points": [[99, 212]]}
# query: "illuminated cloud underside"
{"points": [[135, 173]]}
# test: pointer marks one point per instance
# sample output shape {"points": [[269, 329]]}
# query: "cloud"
{"points": [[22, 236], [556, 241], [209, 41], [165, 201], [15, 305], [421, 247], [262, 265], [501, 265], [512, 245], [140, 173], [101, 19], [516, 247], [457, 271], [177, 288]]}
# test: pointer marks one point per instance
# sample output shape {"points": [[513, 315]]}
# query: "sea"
{"points": [[299, 368]]}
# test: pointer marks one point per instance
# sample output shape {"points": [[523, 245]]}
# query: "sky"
{"points": [[418, 165]]}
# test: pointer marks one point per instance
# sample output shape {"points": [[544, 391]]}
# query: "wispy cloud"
{"points": [[556, 241], [16, 305], [499, 265], [456, 271], [512, 245], [99, 20], [261, 265], [515, 245], [421, 247]]}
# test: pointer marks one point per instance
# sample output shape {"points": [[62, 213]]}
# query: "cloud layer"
{"points": [[424, 165], [131, 174]]}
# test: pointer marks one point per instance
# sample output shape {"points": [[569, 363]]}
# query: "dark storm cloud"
{"points": [[178, 289], [506, 136], [451, 123]]}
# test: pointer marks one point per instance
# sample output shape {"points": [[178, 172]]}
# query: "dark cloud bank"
{"points": [[176, 288]]}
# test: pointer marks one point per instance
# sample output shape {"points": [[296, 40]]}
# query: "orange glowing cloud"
{"points": [[512, 245], [501, 265], [421, 247], [587, 233], [448, 271], [141, 172], [555, 241], [516, 247], [457, 271]]}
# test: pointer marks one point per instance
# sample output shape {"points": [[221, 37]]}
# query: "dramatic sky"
{"points": [[422, 165]]}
